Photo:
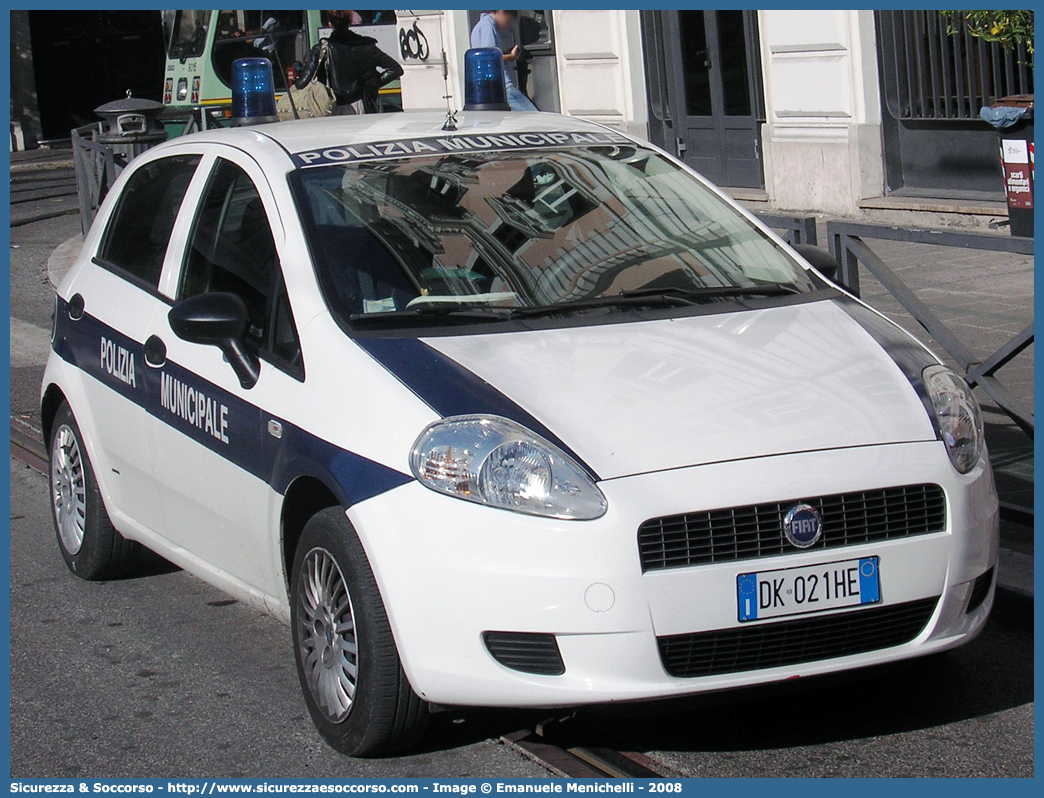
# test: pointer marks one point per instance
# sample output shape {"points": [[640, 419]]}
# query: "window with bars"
{"points": [[928, 73]]}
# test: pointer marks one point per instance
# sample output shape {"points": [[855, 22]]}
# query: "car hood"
{"points": [[630, 398]]}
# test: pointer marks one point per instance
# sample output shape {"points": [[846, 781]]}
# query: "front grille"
{"points": [[980, 590], [746, 533], [771, 645], [526, 651]]}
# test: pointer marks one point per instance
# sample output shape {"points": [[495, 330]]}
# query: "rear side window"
{"points": [[139, 230]]}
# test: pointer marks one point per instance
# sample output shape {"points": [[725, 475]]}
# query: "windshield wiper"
{"points": [[712, 291], [442, 310], [638, 297], [591, 303]]}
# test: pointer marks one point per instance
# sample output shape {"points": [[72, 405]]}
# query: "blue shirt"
{"points": [[486, 34]]}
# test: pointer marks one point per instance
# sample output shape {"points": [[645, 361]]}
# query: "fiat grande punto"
{"points": [[521, 414]]}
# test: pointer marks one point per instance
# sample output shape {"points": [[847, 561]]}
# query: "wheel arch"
{"points": [[305, 496], [52, 399]]}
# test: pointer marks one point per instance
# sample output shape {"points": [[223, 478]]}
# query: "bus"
{"points": [[201, 46]]}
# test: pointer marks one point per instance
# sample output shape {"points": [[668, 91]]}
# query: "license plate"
{"points": [[810, 588]]}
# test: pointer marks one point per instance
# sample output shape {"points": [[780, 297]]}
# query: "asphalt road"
{"points": [[161, 675]]}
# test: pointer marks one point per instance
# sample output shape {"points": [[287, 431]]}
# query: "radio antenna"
{"points": [[451, 117]]}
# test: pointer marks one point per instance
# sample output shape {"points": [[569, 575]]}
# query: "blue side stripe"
{"points": [[277, 462], [450, 389], [299, 453]]}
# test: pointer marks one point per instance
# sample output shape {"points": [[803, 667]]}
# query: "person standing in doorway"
{"points": [[486, 33]]}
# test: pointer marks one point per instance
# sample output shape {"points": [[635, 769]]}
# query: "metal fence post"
{"points": [[849, 263], [795, 229]]}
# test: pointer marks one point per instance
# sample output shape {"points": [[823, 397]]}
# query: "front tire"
{"points": [[353, 682], [90, 545]]}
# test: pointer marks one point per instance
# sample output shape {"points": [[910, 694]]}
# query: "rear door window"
{"points": [[139, 230]]}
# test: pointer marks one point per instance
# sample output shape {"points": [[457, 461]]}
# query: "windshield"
{"points": [[189, 34], [554, 229]]}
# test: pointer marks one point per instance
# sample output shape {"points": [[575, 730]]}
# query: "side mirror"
{"points": [[821, 260], [217, 320]]}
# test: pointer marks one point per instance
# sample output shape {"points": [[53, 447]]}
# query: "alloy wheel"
{"points": [[326, 635], [67, 488]]}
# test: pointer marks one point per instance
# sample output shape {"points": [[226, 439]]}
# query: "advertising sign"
{"points": [[1018, 172]]}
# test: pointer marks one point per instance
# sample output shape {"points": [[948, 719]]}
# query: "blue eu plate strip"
{"points": [[747, 589], [869, 581]]}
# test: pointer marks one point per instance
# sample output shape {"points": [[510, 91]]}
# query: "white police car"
{"points": [[521, 414]]}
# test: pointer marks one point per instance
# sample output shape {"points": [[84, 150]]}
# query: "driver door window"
{"points": [[231, 250]]}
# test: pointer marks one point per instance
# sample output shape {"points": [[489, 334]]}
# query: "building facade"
{"points": [[848, 113]]}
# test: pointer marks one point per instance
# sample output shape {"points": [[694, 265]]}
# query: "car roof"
{"points": [[338, 131]]}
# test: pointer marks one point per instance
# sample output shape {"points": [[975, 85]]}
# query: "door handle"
{"points": [[155, 352], [75, 307]]}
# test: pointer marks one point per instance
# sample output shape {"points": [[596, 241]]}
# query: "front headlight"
{"points": [[957, 416], [494, 461]]}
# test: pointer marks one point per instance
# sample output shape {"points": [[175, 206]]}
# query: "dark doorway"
{"points": [[705, 95], [83, 59]]}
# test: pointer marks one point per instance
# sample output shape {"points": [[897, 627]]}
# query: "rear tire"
{"points": [[352, 679], [90, 545]]}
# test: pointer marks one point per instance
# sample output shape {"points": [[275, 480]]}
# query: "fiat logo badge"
{"points": [[803, 526]]}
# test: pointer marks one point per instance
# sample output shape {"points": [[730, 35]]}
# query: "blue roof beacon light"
{"points": [[253, 92], [484, 80]]}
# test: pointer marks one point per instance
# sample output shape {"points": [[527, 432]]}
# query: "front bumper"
{"points": [[450, 570]]}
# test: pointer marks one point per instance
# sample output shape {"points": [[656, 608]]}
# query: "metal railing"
{"points": [[96, 170], [794, 229], [97, 164], [930, 73], [847, 245]]}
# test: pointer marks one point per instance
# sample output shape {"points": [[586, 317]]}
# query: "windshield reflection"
{"points": [[529, 228]]}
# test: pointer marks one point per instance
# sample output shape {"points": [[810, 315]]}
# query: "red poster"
{"points": [[1018, 173]]}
